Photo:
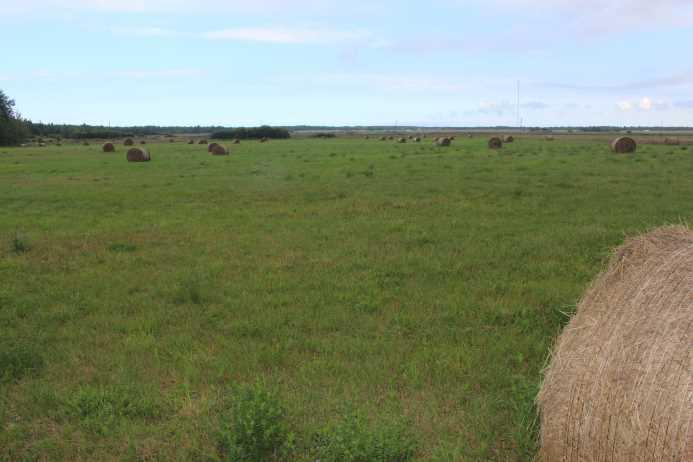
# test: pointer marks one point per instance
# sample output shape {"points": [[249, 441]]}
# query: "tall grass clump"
{"points": [[17, 361], [353, 439], [254, 426]]}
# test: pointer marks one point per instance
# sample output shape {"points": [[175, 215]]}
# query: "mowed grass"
{"points": [[403, 283]]}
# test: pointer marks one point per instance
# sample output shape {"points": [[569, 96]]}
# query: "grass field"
{"points": [[400, 290]]}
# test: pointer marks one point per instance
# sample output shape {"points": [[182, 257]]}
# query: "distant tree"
{"points": [[13, 130]]}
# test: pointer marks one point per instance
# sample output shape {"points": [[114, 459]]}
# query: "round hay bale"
{"points": [[264, 140], [138, 155], [452, 138], [671, 141], [211, 146], [191, 142], [219, 150], [236, 141], [508, 139], [495, 143], [390, 138], [383, 138], [108, 147], [143, 142], [128, 142], [202, 142], [402, 140], [623, 145], [470, 136], [444, 142], [417, 140], [86, 143], [619, 385], [42, 145], [171, 140], [548, 138]]}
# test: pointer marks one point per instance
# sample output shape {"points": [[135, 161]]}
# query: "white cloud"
{"points": [[625, 106], [645, 104], [286, 35]]}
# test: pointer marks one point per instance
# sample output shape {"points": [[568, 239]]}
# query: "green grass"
{"points": [[409, 285]]}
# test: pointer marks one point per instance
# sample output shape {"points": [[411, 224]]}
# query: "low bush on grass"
{"points": [[254, 427]]}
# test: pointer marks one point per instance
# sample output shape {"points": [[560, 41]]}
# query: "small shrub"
{"points": [[19, 244], [18, 361], [353, 440], [253, 426]]}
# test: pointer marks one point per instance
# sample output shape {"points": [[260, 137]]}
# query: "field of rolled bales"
{"points": [[342, 299]]}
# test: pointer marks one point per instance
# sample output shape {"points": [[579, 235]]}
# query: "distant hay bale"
{"points": [[508, 139], [390, 138], [219, 150], [171, 140], [108, 147], [211, 146], [470, 135], [85, 143], [623, 145], [264, 139], [417, 140], [402, 140], [128, 142], [383, 138], [548, 138], [202, 142], [42, 145], [444, 142], [495, 143], [138, 155], [452, 138], [143, 142], [236, 141], [620, 383], [367, 137], [191, 141], [671, 141]]}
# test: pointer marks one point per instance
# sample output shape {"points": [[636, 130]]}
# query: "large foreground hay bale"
{"points": [[108, 147], [623, 145], [138, 155], [128, 142], [444, 141], [495, 143], [620, 383], [211, 146], [219, 150]]}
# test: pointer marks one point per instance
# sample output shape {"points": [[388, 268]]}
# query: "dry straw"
{"points": [[495, 143], [623, 145], [108, 147], [620, 383], [138, 155], [219, 150]]}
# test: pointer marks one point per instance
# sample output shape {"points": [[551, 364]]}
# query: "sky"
{"points": [[329, 62]]}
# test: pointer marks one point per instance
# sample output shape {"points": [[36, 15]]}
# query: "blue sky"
{"points": [[439, 62]]}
